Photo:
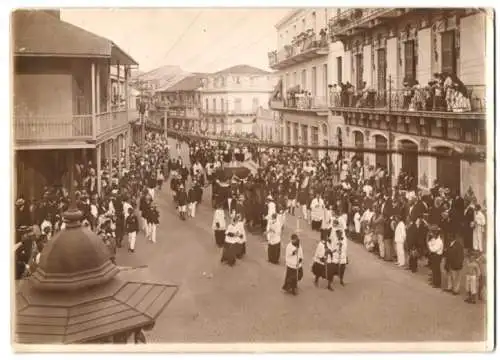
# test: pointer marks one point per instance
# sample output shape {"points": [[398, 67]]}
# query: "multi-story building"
{"points": [[183, 100], [230, 98], [390, 56], [268, 126], [301, 62], [63, 103]]}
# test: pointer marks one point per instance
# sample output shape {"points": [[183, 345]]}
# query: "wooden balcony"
{"points": [[68, 131]]}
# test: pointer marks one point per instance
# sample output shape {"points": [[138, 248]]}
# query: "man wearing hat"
{"points": [[271, 209]]}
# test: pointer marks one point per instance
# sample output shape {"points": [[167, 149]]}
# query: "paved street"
{"points": [[216, 303]]}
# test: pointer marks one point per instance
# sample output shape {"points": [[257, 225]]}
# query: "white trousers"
{"points": [[477, 240], [131, 240], [152, 232], [400, 252], [144, 224], [304, 211], [192, 209], [471, 284], [151, 192]]}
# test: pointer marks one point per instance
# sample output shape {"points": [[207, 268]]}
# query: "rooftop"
{"points": [[243, 70], [38, 33], [189, 83]]}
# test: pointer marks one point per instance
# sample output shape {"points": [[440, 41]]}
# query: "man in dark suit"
{"points": [[454, 259]]}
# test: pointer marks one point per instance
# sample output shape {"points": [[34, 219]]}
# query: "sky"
{"points": [[198, 40]]}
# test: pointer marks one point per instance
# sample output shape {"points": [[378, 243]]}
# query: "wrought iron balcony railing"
{"points": [[301, 103], [305, 46], [422, 99]]}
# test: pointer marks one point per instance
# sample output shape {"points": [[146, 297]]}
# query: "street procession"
{"points": [[305, 200]]}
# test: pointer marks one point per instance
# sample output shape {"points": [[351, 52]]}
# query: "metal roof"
{"points": [[37, 33]]}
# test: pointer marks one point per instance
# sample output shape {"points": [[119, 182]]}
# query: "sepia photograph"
{"points": [[252, 179]]}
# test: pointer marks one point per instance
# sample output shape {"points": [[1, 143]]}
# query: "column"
{"points": [[98, 169], [109, 87], [118, 67], [98, 88], [119, 150], [397, 161], [367, 65], [93, 92], [369, 143], [128, 134]]}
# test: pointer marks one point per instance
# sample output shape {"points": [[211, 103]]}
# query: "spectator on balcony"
{"points": [[407, 94], [335, 94], [361, 95], [417, 102]]}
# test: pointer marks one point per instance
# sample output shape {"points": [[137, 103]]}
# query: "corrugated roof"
{"points": [[243, 69], [189, 83], [37, 33]]}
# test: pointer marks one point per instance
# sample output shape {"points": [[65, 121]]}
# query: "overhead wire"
{"points": [[186, 30], [238, 23]]}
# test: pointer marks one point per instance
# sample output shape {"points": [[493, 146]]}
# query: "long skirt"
{"points": [[273, 253], [241, 250], [316, 225], [292, 277], [229, 254], [319, 270], [219, 237]]}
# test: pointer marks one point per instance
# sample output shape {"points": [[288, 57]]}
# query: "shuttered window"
{"points": [[410, 64], [381, 70], [448, 58]]}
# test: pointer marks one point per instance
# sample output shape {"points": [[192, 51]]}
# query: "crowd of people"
{"points": [[122, 207], [342, 199], [445, 92]]}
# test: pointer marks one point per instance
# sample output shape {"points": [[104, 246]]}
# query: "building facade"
{"points": [[63, 100], [268, 126], [183, 101], [230, 99], [395, 59], [301, 62]]}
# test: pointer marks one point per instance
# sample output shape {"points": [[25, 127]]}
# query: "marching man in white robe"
{"points": [[326, 223], [323, 266], [241, 244], [339, 257], [317, 212], [294, 257], [230, 245], [273, 233], [219, 225]]}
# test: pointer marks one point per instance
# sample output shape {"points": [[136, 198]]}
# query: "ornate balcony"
{"points": [[416, 111], [351, 21], [317, 104], [304, 47]]}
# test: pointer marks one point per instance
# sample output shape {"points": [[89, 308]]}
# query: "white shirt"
{"points": [[357, 222], [271, 209], [274, 232], [479, 219], [292, 260], [367, 189], [436, 245], [367, 215], [232, 229], [400, 233], [343, 221], [220, 218], [126, 206], [321, 252]]}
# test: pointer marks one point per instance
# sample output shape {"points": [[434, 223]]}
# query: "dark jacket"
{"points": [[454, 256], [132, 223]]}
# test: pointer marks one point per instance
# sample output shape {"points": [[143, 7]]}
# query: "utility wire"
{"points": [[186, 30], [238, 23], [259, 40]]}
